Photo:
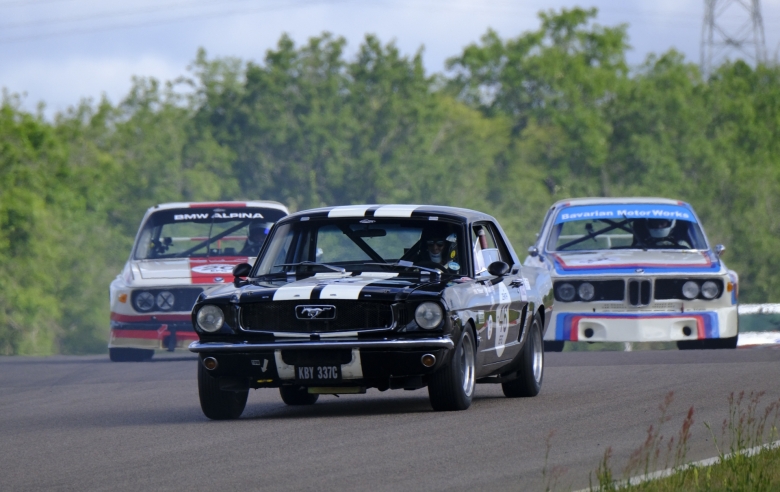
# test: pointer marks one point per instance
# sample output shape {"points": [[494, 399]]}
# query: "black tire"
{"points": [[215, 403], [452, 386], [708, 344], [297, 395], [553, 346], [529, 378], [129, 354]]}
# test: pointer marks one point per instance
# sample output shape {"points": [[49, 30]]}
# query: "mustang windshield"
{"points": [[364, 244], [634, 226], [202, 232]]}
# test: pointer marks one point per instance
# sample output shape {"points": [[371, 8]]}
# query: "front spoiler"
{"points": [[433, 343]]}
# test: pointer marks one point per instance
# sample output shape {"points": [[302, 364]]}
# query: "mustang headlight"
{"points": [[210, 318], [144, 301], [586, 291], [566, 292], [428, 315], [690, 289], [710, 289]]}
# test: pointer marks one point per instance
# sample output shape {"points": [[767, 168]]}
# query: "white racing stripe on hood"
{"points": [[349, 211], [395, 211], [296, 290], [349, 288], [339, 286]]}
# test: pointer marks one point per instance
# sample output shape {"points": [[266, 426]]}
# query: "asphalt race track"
{"points": [[84, 423]]}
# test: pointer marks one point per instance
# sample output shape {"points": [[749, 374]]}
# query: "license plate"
{"points": [[317, 373]]}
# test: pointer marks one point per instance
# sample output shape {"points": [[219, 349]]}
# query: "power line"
{"points": [[73, 32], [120, 13]]}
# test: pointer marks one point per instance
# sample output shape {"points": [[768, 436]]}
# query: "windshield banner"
{"points": [[625, 211]]}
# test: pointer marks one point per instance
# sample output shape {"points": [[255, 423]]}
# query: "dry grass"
{"points": [[748, 425]]}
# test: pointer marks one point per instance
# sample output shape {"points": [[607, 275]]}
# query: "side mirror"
{"points": [[720, 249], [242, 270], [498, 269], [533, 251]]}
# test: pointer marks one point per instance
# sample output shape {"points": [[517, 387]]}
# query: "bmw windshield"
{"points": [[364, 244], [205, 232], [634, 226]]}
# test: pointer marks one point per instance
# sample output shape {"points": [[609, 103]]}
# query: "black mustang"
{"points": [[347, 298]]}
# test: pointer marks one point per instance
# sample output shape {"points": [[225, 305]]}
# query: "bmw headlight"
{"points": [[210, 318], [710, 290], [566, 292], [165, 300], [144, 301], [690, 289], [586, 291], [428, 315]]}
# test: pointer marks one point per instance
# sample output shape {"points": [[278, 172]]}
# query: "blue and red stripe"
{"points": [[567, 324]]}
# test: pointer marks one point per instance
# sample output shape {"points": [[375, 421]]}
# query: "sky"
{"points": [[60, 51]]}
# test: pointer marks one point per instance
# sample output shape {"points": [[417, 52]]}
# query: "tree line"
{"points": [[509, 127]]}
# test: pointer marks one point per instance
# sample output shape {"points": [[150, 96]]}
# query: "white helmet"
{"points": [[660, 228]]}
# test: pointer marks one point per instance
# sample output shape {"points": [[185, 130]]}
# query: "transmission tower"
{"points": [[731, 26]]}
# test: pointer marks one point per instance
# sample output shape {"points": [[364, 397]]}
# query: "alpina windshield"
{"points": [[619, 226], [364, 244], [204, 232]]}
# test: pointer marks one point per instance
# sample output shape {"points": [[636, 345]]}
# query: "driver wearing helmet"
{"points": [[255, 239], [658, 233], [439, 246]]}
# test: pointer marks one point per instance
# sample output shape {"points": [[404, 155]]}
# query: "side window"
{"points": [[484, 247]]}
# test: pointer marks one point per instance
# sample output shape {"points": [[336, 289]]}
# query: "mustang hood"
{"points": [[323, 287], [627, 262], [195, 270]]}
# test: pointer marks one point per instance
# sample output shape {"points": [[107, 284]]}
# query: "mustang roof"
{"points": [[610, 201], [390, 210]]}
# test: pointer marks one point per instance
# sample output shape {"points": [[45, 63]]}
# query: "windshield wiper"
{"points": [[409, 264], [312, 263]]}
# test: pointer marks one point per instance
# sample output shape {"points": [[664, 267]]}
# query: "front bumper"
{"points": [[643, 326], [384, 364], [163, 335]]}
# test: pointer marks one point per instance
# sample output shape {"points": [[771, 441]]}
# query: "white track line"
{"points": [[671, 471]]}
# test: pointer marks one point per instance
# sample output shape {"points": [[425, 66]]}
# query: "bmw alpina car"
{"points": [[181, 250], [348, 298], [635, 270]]}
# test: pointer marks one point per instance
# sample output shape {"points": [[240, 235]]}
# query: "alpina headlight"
{"points": [[428, 315], [144, 301], [690, 289], [210, 318]]}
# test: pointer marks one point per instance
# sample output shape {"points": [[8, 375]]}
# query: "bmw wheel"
{"points": [[452, 386], [121, 354]]}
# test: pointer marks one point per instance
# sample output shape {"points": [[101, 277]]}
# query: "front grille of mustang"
{"points": [[279, 316], [639, 292]]}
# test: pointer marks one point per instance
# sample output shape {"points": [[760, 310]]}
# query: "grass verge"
{"points": [[742, 464]]}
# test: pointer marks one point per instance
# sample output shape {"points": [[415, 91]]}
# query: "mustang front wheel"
{"points": [[297, 395], [452, 387], [529, 378], [215, 403]]}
